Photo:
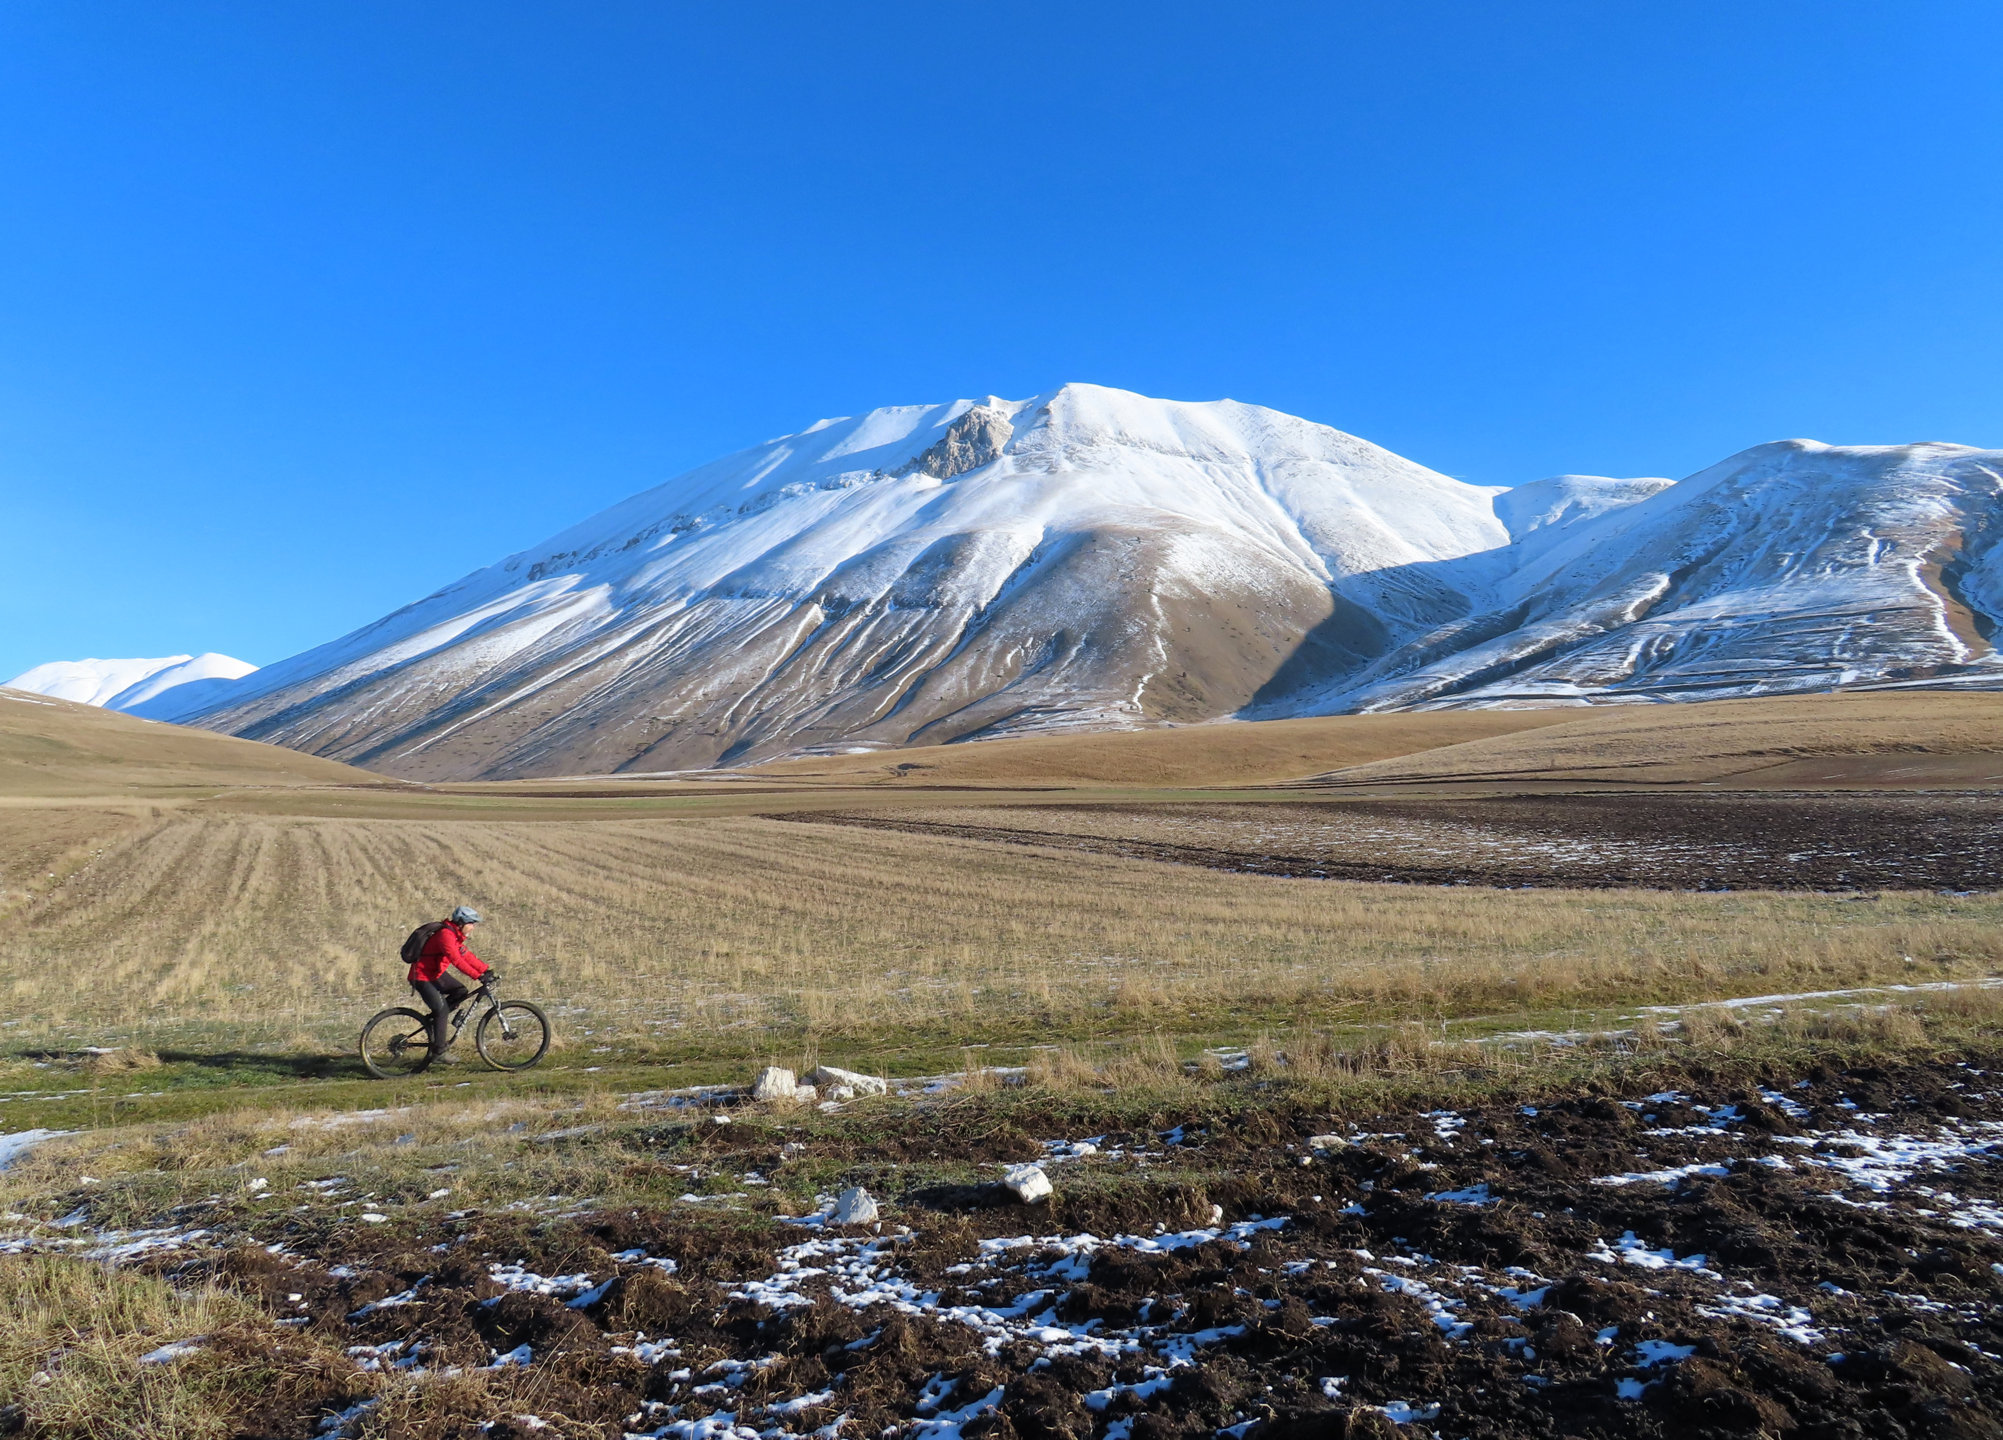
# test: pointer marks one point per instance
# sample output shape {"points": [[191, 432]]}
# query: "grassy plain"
{"points": [[1191, 755], [727, 939], [250, 927], [54, 749], [1868, 738]]}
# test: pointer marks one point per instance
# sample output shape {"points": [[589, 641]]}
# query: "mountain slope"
{"points": [[61, 748], [1790, 567], [1087, 558]]}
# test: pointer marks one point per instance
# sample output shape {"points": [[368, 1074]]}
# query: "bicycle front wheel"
{"points": [[396, 1043], [512, 1036]]}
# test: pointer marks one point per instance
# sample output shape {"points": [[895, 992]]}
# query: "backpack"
{"points": [[413, 945]]}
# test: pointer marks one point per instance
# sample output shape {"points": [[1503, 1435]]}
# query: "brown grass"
{"points": [[72, 1334], [1784, 740], [134, 916], [55, 748], [415, 1160], [41, 843], [1225, 753], [850, 938], [449, 1153]]}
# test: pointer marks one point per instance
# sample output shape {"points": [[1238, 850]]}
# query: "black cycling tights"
{"points": [[441, 996]]}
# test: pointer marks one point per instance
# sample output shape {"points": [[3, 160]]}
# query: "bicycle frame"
{"points": [[484, 991]]}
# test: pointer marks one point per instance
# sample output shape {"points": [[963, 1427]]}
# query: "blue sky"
{"points": [[308, 308]]}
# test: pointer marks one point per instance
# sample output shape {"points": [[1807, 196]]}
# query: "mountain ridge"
{"points": [[1090, 558]]}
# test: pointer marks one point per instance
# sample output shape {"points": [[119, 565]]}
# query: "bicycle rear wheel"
{"points": [[396, 1042], [512, 1035]]}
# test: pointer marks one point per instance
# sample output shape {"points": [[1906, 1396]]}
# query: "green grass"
{"points": [[213, 1067], [203, 1145]]}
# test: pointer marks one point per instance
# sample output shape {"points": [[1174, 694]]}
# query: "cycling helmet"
{"points": [[465, 915]]}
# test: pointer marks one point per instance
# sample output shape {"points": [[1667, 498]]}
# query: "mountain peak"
{"points": [[1090, 557]]}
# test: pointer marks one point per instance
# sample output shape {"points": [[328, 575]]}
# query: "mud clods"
{"points": [[1812, 1256]]}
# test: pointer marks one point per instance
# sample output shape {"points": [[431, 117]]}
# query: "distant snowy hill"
{"points": [[124, 684], [1091, 558]]}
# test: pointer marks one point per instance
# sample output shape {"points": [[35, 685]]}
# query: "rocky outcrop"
{"points": [[977, 438]]}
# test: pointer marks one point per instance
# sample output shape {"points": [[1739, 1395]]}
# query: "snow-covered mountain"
{"points": [[1091, 558], [124, 684], [1790, 567], [1084, 558]]}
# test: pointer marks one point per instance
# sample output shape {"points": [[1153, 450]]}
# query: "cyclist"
{"points": [[442, 993]]}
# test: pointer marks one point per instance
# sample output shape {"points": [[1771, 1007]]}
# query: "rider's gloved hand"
{"points": [[490, 976]]}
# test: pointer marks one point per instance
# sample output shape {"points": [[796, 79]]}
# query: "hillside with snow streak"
{"points": [[1790, 567], [1095, 559]]}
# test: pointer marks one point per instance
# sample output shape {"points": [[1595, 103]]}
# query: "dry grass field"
{"points": [[1885, 738], [1878, 738], [53, 748], [654, 917], [741, 932], [1261, 753]]}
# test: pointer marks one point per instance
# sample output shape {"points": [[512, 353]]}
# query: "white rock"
{"points": [[806, 1094], [859, 1084], [841, 1092], [774, 1083], [1327, 1142], [1029, 1183], [856, 1206]]}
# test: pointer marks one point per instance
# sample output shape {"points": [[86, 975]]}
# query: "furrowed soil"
{"points": [[1669, 842], [1811, 1251]]}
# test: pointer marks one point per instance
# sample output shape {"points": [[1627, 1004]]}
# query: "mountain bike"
{"points": [[511, 1035]]}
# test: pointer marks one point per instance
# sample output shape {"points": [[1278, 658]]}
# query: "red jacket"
{"points": [[446, 947]]}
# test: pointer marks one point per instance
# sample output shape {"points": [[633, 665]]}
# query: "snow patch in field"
{"points": [[1630, 1250], [14, 1146], [518, 1278]]}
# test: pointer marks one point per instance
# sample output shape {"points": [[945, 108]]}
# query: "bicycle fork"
{"points": [[465, 1013]]}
